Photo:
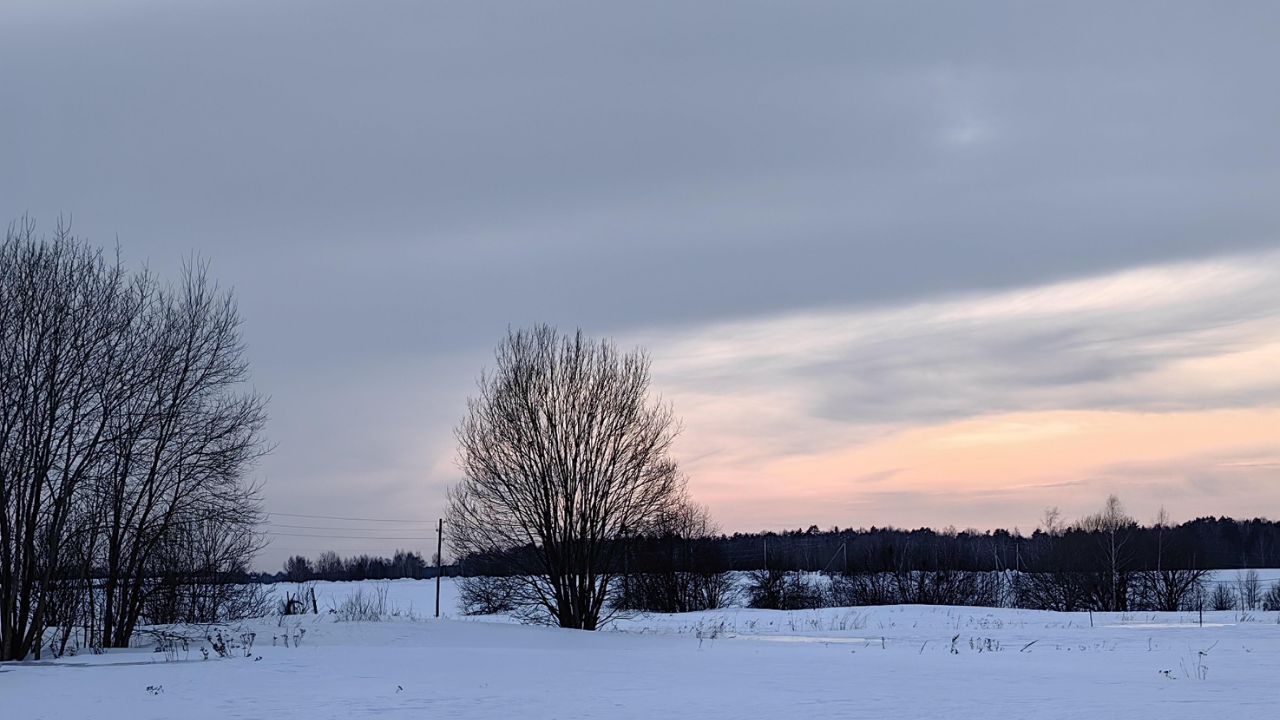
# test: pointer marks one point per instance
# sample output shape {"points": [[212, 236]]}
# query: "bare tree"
{"points": [[200, 575], [64, 315], [179, 451], [1113, 527], [298, 569], [1050, 578], [329, 566], [1249, 590], [1167, 587], [563, 452], [121, 434], [1051, 522], [1223, 597]]}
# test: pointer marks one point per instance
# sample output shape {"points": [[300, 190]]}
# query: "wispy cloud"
{"points": [[971, 393]]}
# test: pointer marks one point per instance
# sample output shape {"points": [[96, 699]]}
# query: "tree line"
{"points": [[1104, 561], [126, 435], [684, 564], [404, 564], [1202, 543]]}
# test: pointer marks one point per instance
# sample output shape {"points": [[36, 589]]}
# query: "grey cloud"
{"points": [[1117, 342], [617, 166]]}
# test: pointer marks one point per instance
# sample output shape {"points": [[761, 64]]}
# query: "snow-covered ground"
{"points": [[881, 662]]}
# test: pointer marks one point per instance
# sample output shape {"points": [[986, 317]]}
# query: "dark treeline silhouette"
{"points": [[1104, 561], [1206, 543], [330, 566]]}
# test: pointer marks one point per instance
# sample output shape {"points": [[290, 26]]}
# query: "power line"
{"points": [[349, 537], [343, 549], [338, 529], [355, 519]]}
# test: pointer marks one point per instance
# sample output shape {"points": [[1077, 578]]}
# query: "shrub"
{"points": [[674, 592], [857, 589], [783, 590], [1223, 598], [299, 603], [489, 595], [1271, 598], [362, 606]]}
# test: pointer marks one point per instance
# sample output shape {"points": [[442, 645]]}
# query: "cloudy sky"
{"points": [[896, 263]]}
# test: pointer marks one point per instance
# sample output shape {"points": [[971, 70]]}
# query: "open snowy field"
{"points": [[881, 662]]}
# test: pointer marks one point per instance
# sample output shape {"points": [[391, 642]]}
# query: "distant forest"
{"points": [[1104, 561], [330, 566], [1207, 543]]}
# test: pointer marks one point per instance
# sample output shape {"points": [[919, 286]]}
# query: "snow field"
{"points": [[878, 662]]}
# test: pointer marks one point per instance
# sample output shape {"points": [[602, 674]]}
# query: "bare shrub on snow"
{"points": [[921, 587], [675, 566], [1271, 598], [1223, 598], [1168, 590], [363, 605], [299, 603], [783, 590], [489, 595], [857, 589]]}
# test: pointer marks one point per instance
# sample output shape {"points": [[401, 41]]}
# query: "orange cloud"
{"points": [[1024, 461], [1160, 384]]}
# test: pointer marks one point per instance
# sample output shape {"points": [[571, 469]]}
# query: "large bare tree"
{"points": [[178, 453], [563, 453], [64, 318], [123, 436]]}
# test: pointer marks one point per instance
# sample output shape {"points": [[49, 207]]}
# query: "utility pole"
{"points": [[439, 561], [843, 552]]}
